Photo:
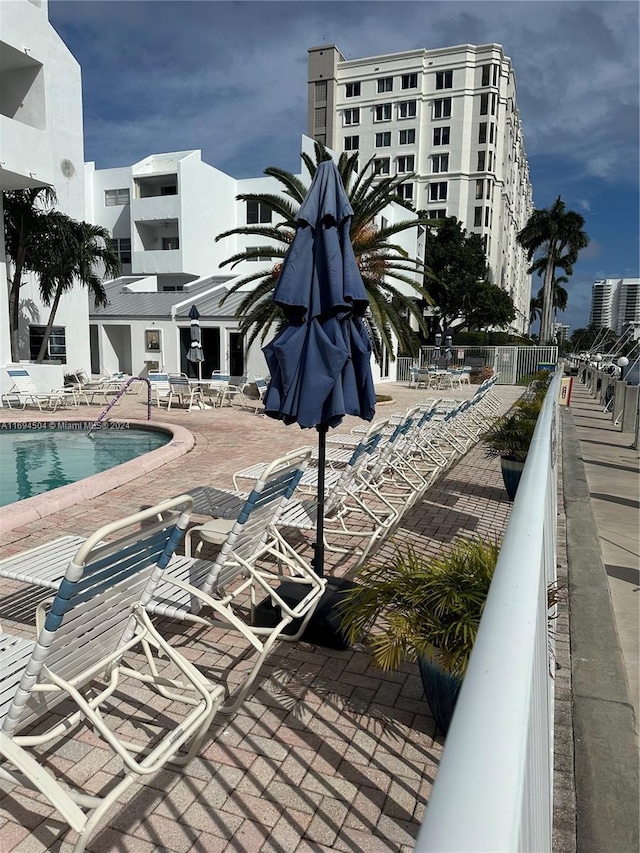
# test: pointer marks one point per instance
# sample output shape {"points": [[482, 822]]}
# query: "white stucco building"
{"points": [[164, 214], [447, 118], [615, 304], [41, 144]]}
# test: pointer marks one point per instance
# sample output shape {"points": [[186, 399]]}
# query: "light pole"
{"points": [[623, 361]]}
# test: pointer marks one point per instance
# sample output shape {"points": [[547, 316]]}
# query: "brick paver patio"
{"points": [[328, 753]]}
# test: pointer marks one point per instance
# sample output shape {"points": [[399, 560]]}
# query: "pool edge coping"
{"points": [[32, 509]]}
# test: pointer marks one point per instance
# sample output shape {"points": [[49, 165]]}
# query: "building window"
{"points": [[352, 116], [491, 132], [321, 91], [113, 198], [382, 112], [438, 191], [351, 143], [383, 140], [405, 191], [258, 213], [489, 188], [490, 161], [352, 90], [385, 84], [440, 163], [442, 108], [484, 104], [263, 258], [57, 347], [169, 189], [406, 163], [408, 109], [487, 214], [495, 75], [494, 102], [444, 79], [409, 81], [482, 132], [481, 160], [170, 244], [407, 137], [477, 217], [320, 116], [437, 214], [485, 243], [486, 75], [479, 187], [152, 339], [441, 135], [381, 166], [122, 247]]}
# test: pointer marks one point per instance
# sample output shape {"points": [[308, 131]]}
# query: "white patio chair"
{"points": [[160, 388], [253, 561], [227, 388], [93, 643], [183, 393]]}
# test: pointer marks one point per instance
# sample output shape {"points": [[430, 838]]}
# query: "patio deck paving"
{"points": [[328, 753]]}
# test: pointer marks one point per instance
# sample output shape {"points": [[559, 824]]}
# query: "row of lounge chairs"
{"points": [[24, 391], [113, 592]]}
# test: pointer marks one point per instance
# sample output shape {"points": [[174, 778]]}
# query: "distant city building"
{"points": [[447, 118], [615, 304], [561, 332]]}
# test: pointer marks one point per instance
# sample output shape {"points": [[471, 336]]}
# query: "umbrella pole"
{"points": [[318, 559]]}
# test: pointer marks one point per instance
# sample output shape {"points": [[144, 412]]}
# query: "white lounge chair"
{"points": [[253, 562], [24, 392], [94, 640]]}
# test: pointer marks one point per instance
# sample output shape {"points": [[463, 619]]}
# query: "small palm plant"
{"points": [[422, 607], [509, 437]]}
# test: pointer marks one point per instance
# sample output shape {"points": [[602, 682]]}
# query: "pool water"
{"points": [[37, 461]]}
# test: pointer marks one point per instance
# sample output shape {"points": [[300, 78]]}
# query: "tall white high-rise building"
{"points": [[615, 303], [447, 118]]}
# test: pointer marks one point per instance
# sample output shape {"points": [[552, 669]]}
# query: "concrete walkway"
{"points": [[601, 506]]}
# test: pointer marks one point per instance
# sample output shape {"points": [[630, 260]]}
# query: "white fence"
{"points": [[512, 363], [494, 787]]}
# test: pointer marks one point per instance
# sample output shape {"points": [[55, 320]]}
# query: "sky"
{"points": [[230, 79]]}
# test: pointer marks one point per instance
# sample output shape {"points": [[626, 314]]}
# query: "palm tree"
{"points": [[560, 298], [558, 234], [68, 255], [26, 214], [382, 262]]}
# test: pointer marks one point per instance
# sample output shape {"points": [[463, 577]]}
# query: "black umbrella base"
{"points": [[324, 627]]}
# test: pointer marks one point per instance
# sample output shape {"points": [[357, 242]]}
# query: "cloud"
{"points": [[228, 71]]}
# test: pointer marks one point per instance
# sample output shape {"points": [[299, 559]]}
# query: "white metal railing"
{"points": [[511, 363], [494, 787]]}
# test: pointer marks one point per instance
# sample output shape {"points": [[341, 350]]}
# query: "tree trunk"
{"points": [[547, 298], [47, 332], [14, 308]]}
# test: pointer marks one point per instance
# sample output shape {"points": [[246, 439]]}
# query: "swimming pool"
{"points": [[38, 457]]}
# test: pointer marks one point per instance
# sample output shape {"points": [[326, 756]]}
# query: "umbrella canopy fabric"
{"points": [[320, 363], [195, 353]]}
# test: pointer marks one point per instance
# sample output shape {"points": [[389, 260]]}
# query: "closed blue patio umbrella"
{"points": [[320, 362], [195, 353]]}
